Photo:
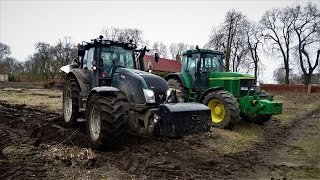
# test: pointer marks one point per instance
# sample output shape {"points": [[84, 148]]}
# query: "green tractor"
{"points": [[229, 95], [108, 88]]}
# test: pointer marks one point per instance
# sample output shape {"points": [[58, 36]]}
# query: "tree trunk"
{"points": [[255, 71], [307, 78], [287, 81], [228, 59]]}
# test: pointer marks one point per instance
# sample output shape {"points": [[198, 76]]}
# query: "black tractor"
{"points": [[108, 88]]}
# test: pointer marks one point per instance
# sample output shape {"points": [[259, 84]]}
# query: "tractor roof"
{"points": [[106, 42], [203, 51]]}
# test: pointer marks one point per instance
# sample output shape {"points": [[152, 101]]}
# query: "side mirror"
{"points": [[189, 53], [156, 57]]}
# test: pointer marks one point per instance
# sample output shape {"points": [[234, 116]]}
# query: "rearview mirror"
{"points": [[156, 57]]}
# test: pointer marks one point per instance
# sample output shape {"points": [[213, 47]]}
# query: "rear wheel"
{"points": [[106, 125], [70, 105], [224, 109], [176, 84]]}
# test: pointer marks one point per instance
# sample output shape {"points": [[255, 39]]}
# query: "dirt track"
{"points": [[37, 145]]}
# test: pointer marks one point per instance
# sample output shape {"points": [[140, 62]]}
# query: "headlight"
{"points": [[168, 92], [244, 88], [149, 96]]}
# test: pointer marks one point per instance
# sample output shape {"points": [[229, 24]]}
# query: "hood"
{"points": [[230, 75]]}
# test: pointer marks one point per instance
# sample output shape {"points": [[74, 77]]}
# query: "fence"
{"points": [[290, 88]]}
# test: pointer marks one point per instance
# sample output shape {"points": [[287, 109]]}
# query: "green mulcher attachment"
{"points": [[259, 107]]}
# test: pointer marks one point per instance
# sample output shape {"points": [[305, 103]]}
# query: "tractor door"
{"points": [[87, 65], [209, 63], [204, 67], [189, 66]]}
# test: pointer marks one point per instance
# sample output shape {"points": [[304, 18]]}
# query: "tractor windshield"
{"points": [[211, 62], [116, 56]]}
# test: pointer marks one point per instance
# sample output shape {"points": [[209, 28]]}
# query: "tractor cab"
{"points": [[102, 57], [198, 64]]}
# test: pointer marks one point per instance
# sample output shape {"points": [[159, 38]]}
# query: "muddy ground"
{"points": [[36, 144]]}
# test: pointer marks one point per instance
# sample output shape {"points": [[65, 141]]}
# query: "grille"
{"points": [[159, 87]]}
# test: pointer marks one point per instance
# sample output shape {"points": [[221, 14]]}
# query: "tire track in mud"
{"points": [[21, 132]]}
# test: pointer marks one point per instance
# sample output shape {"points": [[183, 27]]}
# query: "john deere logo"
{"points": [[160, 96]]}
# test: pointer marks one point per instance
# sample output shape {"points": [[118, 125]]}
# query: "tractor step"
{"points": [[191, 96]]}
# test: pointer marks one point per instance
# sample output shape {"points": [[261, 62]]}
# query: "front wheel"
{"points": [[106, 125], [225, 111]]}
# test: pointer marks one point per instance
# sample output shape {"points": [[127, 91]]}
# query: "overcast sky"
{"points": [[22, 23]]}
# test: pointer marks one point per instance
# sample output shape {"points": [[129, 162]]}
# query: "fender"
{"points": [[207, 91], [176, 76], [82, 77], [102, 89]]}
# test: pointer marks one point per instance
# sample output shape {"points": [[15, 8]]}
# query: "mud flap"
{"points": [[180, 119]]}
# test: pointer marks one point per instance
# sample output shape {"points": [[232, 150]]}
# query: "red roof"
{"points": [[164, 65]]}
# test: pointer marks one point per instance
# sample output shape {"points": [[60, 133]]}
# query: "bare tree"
{"points": [[10, 62], [230, 37], [160, 48], [125, 35], [43, 61], [216, 39], [279, 75], [254, 37], [173, 49], [64, 51], [233, 22], [278, 29], [5, 51], [178, 48], [307, 27]]}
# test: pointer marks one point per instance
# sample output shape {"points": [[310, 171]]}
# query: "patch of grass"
{"points": [[243, 137], [47, 100], [297, 105]]}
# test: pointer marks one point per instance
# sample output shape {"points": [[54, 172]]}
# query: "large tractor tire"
{"points": [[225, 111], [106, 125], [176, 84], [70, 103]]}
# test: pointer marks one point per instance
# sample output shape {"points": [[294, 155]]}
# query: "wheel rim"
{"points": [[217, 110], [67, 106], [95, 123]]}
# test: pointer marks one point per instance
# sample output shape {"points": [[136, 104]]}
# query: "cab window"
{"points": [[88, 58]]}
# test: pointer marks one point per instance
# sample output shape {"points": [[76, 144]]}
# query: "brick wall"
{"points": [[289, 88]]}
